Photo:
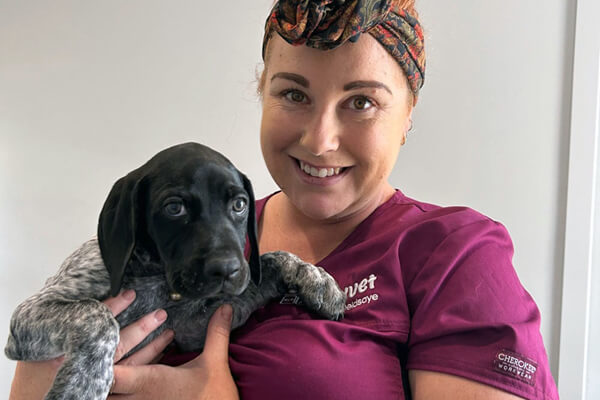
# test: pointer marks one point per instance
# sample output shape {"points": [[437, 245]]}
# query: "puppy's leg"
{"points": [[84, 331], [317, 289], [281, 271]]}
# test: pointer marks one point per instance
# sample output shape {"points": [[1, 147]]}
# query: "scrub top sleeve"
{"points": [[471, 316]]}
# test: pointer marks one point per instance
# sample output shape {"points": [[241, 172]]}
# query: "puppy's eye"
{"points": [[239, 205], [175, 208]]}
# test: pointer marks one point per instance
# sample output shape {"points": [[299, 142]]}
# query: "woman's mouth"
{"points": [[319, 172]]}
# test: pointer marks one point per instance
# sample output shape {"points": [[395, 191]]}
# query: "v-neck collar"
{"points": [[349, 239]]}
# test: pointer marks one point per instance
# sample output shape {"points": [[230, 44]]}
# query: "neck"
{"points": [[284, 227]]}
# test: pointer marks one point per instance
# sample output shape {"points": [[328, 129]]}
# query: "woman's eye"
{"points": [[360, 103], [239, 205], [295, 96], [175, 208]]}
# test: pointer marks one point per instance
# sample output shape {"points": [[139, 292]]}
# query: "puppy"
{"points": [[174, 230]]}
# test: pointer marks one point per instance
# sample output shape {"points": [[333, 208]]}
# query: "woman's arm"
{"points": [[427, 385], [33, 378], [206, 377]]}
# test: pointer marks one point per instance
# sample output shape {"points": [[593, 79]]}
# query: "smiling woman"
{"points": [[435, 308], [444, 307], [322, 112]]}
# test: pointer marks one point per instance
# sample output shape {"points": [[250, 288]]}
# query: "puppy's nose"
{"points": [[222, 268]]}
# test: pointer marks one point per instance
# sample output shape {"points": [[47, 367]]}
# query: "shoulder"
{"points": [[259, 204], [434, 242], [430, 225], [404, 208]]}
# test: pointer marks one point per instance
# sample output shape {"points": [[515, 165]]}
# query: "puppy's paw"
{"points": [[322, 294], [317, 289]]}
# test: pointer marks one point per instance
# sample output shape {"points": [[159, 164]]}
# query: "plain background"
{"points": [[90, 90]]}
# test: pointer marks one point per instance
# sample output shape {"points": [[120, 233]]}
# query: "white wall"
{"points": [[90, 90], [492, 129], [581, 276]]}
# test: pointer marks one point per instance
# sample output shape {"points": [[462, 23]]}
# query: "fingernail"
{"points": [[160, 315], [129, 294], [227, 312]]}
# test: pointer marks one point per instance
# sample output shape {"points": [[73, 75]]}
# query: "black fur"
{"points": [[176, 225]]}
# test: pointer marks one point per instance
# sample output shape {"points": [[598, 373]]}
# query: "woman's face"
{"points": [[332, 124]]}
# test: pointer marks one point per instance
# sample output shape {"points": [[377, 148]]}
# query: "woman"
{"points": [[434, 305]]}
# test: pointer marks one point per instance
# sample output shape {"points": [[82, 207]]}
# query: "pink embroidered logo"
{"points": [[516, 366]]}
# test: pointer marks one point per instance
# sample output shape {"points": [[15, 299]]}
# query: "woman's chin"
{"points": [[321, 207]]}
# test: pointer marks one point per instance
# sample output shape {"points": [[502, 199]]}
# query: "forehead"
{"points": [[195, 174], [217, 176], [365, 59]]}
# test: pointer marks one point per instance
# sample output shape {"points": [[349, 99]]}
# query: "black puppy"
{"points": [[189, 208], [174, 230]]}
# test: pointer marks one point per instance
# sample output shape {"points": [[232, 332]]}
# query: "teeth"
{"points": [[319, 172]]}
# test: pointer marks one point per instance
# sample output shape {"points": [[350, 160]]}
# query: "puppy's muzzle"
{"points": [[217, 274], [222, 268], [231, 273]]}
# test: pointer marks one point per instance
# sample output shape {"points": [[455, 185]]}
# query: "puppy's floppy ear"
{"points": [[255, 268], [117, 228]]}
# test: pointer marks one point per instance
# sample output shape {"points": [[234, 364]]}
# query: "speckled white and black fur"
{"points": [[68, 318]]}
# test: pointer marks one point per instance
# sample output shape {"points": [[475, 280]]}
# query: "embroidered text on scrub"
{"points": [[361, 287]]}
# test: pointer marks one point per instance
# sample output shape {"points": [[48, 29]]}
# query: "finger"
{"points": [[120, 302], [151, 351], [133, 334], [216, 345]]}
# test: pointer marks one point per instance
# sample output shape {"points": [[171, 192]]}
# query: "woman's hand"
{"points": [[206, 377], [33, 379], [133, 334]]}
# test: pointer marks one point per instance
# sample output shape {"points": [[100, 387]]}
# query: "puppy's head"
{"points": [[191, 210]]}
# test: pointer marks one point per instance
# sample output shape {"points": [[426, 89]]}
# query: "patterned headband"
{"points": [[327, 24]]}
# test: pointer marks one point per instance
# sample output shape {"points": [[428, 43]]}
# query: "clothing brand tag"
{"points": [[290, 299], [516, 366]]}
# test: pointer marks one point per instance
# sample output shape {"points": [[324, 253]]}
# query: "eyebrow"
{"points": [[367, 84], [299, 79], [302, 81]]}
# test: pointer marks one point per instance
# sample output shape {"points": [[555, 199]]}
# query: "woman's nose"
{"points": [[322, 134]]}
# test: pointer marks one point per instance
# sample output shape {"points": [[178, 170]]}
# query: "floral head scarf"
{"points": [[327, 24]]}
